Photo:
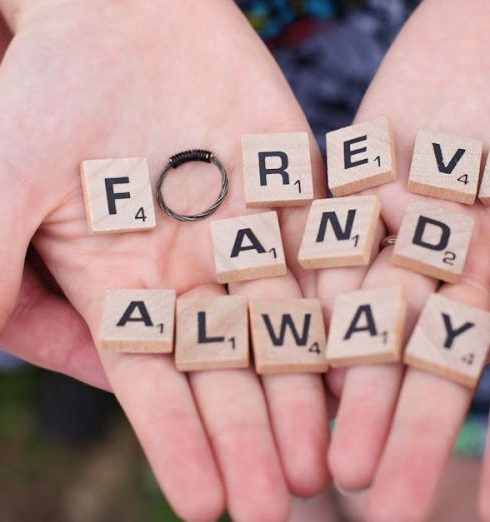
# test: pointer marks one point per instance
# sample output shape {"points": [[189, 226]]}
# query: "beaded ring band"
{"points": [[184, 157], [387, 241]]}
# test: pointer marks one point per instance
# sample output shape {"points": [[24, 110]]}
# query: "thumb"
{"points": [[25, 163], [20, 217]]}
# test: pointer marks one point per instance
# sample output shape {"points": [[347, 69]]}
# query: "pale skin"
{"points": [[138, 78]]}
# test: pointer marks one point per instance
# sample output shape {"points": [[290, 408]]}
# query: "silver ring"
{"points": [[387, 241], [183, 157]]}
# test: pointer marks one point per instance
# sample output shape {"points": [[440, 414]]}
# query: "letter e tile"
{"points": [[360, 157]]}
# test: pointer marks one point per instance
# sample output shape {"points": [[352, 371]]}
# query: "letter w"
{"points": [[287, 322]]}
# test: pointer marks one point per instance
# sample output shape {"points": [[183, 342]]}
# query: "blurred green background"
{"points": [[67, 454]]}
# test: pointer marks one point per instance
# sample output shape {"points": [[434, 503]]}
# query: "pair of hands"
{"points": [[106, 78]]}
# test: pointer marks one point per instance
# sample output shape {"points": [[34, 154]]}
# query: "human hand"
{"points": [[57, 337], [101, 79], [396, 428]]}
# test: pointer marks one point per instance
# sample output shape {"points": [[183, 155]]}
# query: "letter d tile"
{"points": [[433, 241]]}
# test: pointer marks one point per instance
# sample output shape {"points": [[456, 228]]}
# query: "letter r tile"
{"points": [[360, 156], [118, 195], [288, 335], [450, 339], [248, 247], [340, 232], [277, 169], [138, 321], [433, 240]]}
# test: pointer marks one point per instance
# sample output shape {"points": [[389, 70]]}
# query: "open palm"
{"points": [[395, 429], [120, 79]]}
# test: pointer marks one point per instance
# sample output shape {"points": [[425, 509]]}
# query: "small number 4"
{"points": [[141, 214], [314, 348], [463, 179], [469, 358]]}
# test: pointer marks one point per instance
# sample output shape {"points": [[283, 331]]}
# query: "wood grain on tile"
{"points": [[288, 335], [340, 232]]}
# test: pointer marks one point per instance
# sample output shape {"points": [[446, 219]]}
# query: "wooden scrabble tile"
{"points": [[288, 335], [433, 240], [340, 232], [118, 195], [277, 169], [445, 166], [248, 247], [138, 321], [484, 191], [360, 156], [367, 327], [451, 340], [212, 333]]}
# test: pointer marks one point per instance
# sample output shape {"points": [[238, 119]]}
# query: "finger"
{"points": [[334, 281], [297, 402], [5, 36], [58, 337], [162, 412], [428, 416], [233, 408], [159, 405], [370, 391], [297, 406]]}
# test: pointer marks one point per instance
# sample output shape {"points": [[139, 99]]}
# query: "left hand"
{"points": [[396, 426]]}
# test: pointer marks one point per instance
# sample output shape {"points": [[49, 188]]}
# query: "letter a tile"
{"points": [[138, 321], [451, 340], [277, 169], [445, 166], [117, 194], [360, 156], [367, 327], [212, 333], [288, 335], [248, 247], [433, 241], [340, 232]]}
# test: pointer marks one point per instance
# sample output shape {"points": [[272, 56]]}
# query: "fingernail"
{"points": [[348, 492]]}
